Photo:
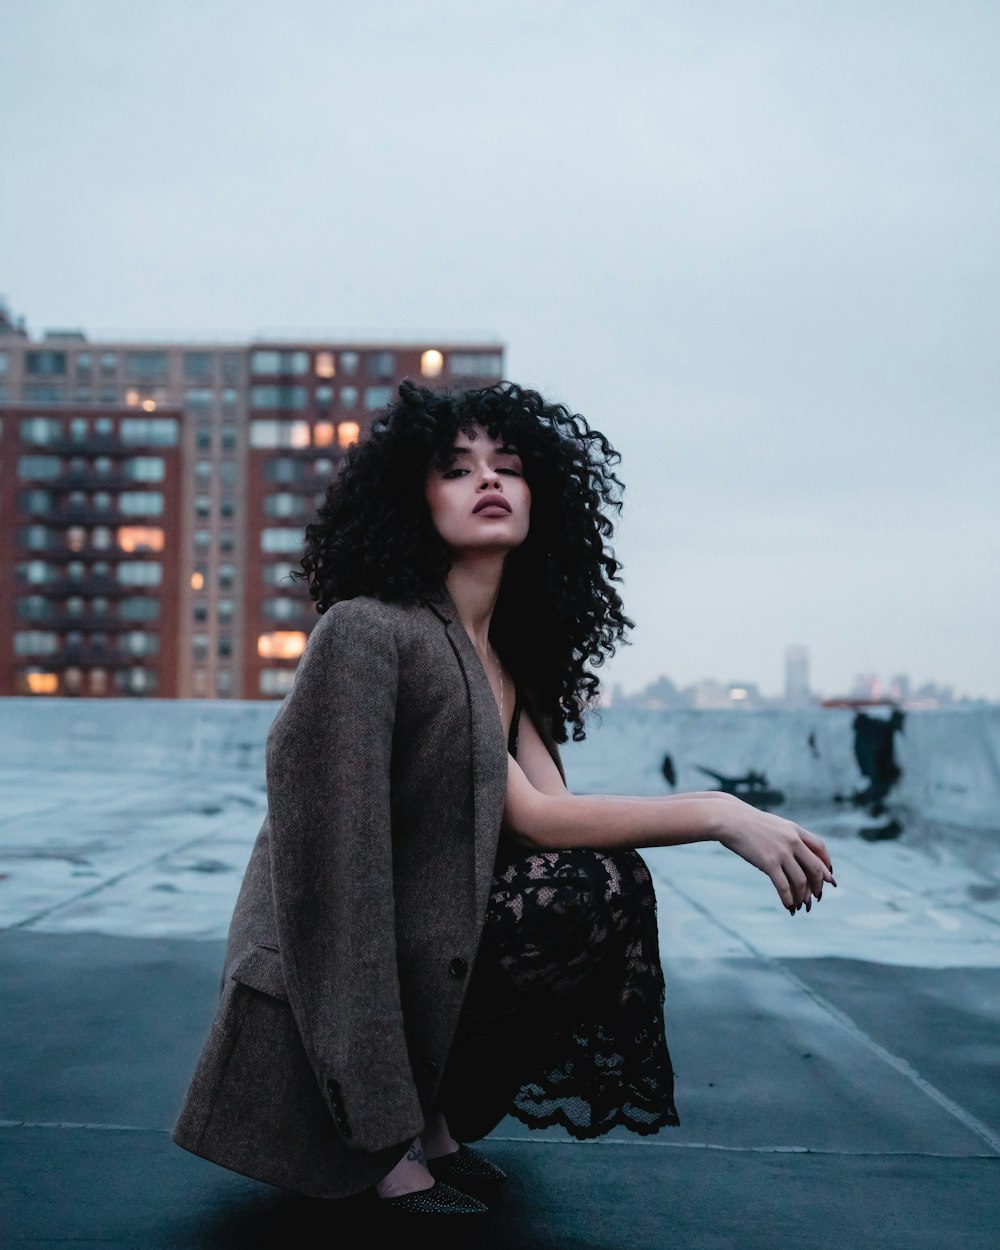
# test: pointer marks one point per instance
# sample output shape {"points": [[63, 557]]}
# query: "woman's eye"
{"points": [[512, 472], [454, 472]]}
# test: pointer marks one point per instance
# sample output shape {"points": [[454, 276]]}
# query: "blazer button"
{"points": [[458, 967], [428, 1067], [333, 1086]]}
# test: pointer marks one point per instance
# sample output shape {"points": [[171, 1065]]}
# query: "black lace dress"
{"points": [[563, 1019]]}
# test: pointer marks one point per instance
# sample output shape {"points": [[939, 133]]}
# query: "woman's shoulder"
{"points": [[367, 615]]}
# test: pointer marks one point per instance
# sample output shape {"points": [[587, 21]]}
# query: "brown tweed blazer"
{"points": [[360, 913]]}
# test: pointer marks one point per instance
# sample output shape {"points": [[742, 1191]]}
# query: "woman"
{"points": [[432, 931]]}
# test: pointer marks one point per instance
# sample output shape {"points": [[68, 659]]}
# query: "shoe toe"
{"points": [[440, 1199]]}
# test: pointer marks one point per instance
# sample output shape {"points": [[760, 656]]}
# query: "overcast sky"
{"points": [[754, 243]]}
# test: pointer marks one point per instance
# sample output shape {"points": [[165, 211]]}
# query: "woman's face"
{"points": [[481, 502]]}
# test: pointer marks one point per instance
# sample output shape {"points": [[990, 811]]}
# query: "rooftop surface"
{"points": [[836, 1071]]}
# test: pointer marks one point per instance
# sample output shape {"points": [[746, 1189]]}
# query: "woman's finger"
{"points": [[816, 845], [796, 878], [814, 868]]}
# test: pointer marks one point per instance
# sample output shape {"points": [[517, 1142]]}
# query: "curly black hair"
{"points": [[558, 612]]}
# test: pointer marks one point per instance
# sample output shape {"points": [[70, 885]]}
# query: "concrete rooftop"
{"points": [[837, 1071]]}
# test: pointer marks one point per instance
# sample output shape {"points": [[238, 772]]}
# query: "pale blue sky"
{"points": [[754, 243]]}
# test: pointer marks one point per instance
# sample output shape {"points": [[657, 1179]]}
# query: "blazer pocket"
{"points": [[260, 969]]}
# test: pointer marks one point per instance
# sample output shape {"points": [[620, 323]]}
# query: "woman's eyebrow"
{"points": [[506, 450]]}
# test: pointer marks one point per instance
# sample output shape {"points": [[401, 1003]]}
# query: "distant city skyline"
{"points": [[715, 691]]}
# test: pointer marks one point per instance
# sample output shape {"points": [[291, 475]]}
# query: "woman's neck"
{"points": [[474, 586]]}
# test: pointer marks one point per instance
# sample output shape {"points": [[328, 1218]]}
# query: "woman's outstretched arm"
{"points": [[795, 860]]}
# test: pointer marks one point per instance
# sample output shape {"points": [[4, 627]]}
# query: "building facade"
{"points": [[154, 498]]}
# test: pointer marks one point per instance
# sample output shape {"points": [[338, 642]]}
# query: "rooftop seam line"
{"points": [[533, 1141], [27, 921], [964, 1117], [181, 776], [699, 1145]]}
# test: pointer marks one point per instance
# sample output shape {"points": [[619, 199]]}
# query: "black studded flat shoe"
{"points": [[465, 1164], [440, 1199]]}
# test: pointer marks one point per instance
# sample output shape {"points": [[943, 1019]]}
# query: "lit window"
{"points": [[197, 581], [281, 644], [298, 434], [325, 367], [431, 363], [323, 434], [347, 433], [42, 683], [140, 538], [76, 538]]}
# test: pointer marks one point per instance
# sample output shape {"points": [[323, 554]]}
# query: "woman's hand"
{"points": [[797, 862]]}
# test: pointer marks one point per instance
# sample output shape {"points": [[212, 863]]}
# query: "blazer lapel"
{"points": [[489, 750]]}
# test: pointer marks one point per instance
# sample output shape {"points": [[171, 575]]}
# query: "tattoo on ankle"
{"points": [[416, 1155]]}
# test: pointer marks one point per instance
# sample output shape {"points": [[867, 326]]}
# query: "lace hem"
{"points": [[558, 1118]]}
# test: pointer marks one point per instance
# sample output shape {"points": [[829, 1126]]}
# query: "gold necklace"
{"points": [[500, 675]]}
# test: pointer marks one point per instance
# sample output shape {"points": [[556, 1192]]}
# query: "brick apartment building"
{"points": [[154, 497]]}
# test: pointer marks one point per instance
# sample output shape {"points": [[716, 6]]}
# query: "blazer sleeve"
{"points": [[328, 764]]}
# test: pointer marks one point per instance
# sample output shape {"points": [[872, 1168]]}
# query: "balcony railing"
{"points": [[64, 587], [84, 657], [62, 550], [92, 445], [86, 623]]}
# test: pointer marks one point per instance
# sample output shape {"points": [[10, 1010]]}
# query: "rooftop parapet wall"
{"points": [[949, 759]]}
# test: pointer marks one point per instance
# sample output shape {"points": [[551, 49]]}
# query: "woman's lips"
{"points": [[492, 509]]}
